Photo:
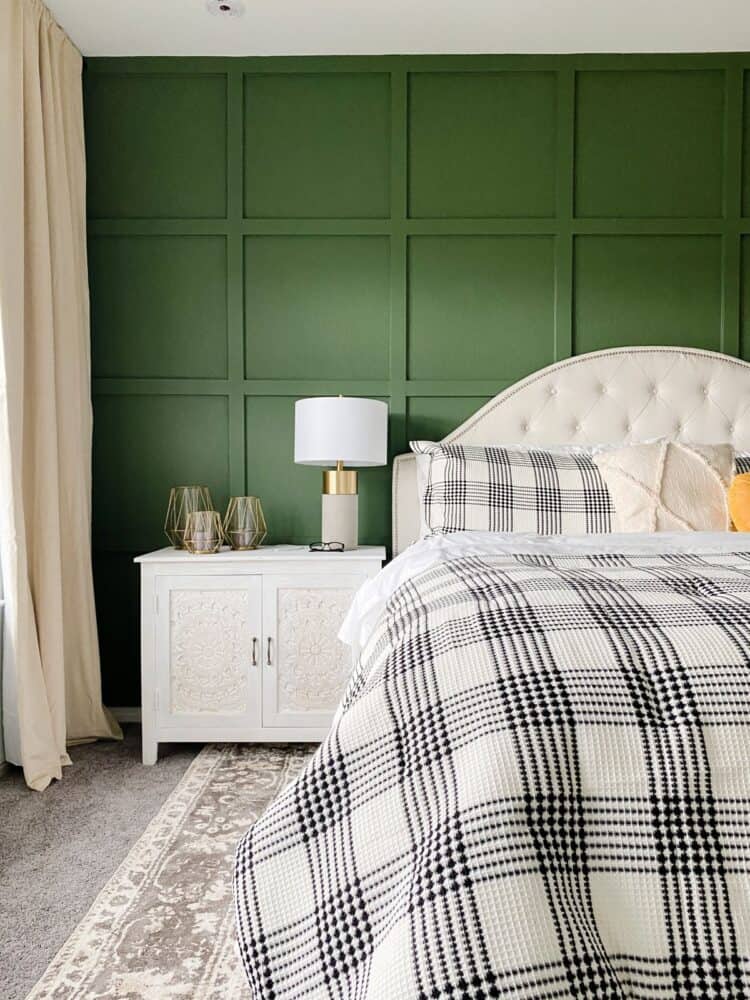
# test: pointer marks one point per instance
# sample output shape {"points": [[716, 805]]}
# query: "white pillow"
{"points": [[668, 486]]}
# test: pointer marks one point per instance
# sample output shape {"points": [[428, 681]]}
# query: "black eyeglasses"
{"points": [[327, 547]]}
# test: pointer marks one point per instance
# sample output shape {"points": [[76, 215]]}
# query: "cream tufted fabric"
{"points": [[668, 485], [607, 397]]}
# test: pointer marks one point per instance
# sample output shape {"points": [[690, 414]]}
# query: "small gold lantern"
{"points": [[244, 524], [183, 500], [203, 533]]}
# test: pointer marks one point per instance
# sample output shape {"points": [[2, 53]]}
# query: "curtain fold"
{"points": [[51, 678]]}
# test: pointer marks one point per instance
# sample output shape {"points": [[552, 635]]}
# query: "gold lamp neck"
{"points": [[340, 480]]}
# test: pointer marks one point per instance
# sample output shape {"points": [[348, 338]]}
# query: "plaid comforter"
{"points": [[539, 787]]}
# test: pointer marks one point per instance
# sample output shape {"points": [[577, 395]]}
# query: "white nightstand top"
{"points": [[267, 553]]}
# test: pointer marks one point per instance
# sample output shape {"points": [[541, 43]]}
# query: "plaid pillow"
{"points": [[742, 463], [473, 488]]}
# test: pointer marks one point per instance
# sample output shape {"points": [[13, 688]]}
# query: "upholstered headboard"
{"points": [[625, 394]]}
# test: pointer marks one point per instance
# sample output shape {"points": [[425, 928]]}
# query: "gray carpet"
{"points": [[59, 847]]}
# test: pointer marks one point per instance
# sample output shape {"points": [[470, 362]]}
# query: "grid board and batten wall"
{"points": [[422, 229]]}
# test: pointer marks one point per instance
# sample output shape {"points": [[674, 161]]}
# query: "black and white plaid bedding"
{"points": [[538, 787], [475, 488]]}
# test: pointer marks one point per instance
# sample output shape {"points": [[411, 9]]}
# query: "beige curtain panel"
{"points": [[52, 687]]}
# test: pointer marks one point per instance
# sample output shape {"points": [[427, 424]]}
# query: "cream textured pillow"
{"points": [[668, 486]]}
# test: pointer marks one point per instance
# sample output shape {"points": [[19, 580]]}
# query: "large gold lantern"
{"points": [[244, 524], [183, 500]]}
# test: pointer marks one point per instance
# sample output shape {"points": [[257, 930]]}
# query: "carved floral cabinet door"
{"points": [[305, 666], [208, 653]]}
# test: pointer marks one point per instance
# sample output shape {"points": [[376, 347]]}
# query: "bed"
{"points": [[538, 782]]}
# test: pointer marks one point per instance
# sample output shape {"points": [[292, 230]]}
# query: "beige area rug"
{"points": [[163, 926]]}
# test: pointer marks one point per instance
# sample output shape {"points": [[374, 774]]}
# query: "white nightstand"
{"points": [[242, 646]]}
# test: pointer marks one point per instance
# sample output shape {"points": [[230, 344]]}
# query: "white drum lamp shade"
{"points": [[346, 429], [338, 431]]}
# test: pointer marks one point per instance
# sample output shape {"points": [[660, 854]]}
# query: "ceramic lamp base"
{"points": [[340, 518]]}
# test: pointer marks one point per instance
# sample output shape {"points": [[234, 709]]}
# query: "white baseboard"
{"points": [[127, 713]]}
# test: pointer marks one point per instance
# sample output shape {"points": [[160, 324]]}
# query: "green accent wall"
{"points": [[424, 229]]}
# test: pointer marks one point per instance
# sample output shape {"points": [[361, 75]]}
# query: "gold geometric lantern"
{"points": [[203, 532], [183, 500], [244, 524]]}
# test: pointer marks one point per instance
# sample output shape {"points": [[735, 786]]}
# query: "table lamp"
{"points": [[340, 430]]}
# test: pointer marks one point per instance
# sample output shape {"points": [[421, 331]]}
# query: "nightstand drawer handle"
{"points": [[268, 652], [255, 650]]}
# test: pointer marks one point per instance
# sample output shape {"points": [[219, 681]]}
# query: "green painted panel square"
{"points": [[155, 145], [118, 617], [158, 306], [482, 144], [746, 145], [431, 418], [480, 306], [317, 306], [649, 143], [641, 290], [745, 300], [290, 494], [317, 145], [144, 445]]}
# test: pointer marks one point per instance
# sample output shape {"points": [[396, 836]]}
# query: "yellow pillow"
{"points": [[739, 502]]}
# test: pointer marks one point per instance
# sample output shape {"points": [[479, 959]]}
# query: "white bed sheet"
{"points": [[372, 596]]}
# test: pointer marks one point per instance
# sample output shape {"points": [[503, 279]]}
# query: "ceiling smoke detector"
{"points": [[225, 8]]}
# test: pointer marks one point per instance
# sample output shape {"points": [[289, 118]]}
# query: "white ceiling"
{"points": [[353, 27]]}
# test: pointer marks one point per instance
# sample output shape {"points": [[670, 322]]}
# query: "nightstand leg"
{"points": [[150, 750]]}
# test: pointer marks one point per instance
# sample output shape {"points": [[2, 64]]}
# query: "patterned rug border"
{"points": [[147, 848]]}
